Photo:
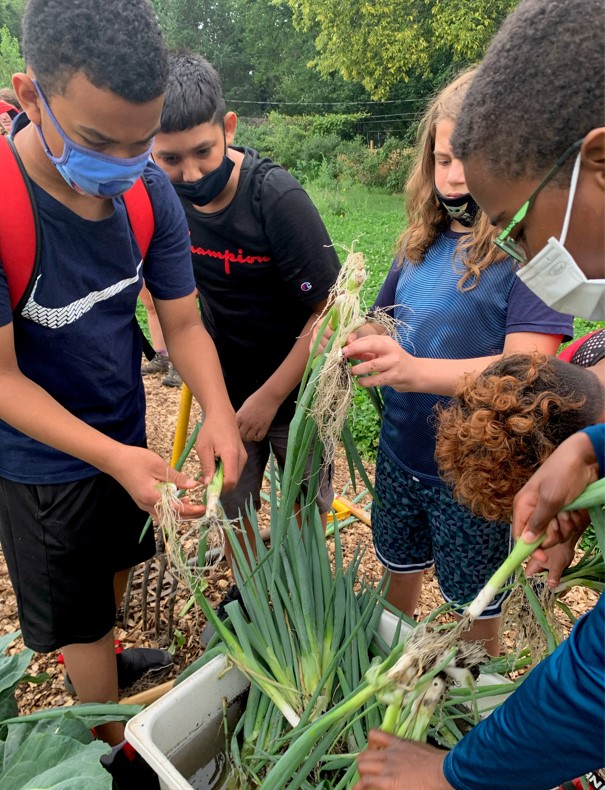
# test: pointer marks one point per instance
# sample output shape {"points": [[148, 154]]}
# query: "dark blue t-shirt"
{"points": [[439, 321], [77, 337]]}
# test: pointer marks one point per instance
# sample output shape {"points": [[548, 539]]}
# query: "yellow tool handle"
{"points": [[182, 424], [359, 513]]}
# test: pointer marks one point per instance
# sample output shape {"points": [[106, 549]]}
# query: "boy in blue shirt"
{"points": [[76, 481]]}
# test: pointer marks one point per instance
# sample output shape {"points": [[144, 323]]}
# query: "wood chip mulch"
{"points": [[146, 624]]}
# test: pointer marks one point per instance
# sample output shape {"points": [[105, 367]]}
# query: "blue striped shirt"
{"points": [[440, 321]]}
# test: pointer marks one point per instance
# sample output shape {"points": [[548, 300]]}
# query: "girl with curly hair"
{"points": [[505, 421], [459, 306]]}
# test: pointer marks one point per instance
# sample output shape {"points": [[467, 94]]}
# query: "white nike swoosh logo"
{"points": [[56, 317]]}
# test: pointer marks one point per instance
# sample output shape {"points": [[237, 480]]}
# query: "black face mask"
{"points": [[462, 208], [205, 189]]}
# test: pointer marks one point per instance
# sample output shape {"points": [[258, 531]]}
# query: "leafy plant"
{"points": [[12, 669], [52, 748], [365, 424], [11, 60]]}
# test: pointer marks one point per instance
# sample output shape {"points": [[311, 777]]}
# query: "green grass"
{"points": [[373, 220], [582, 327], [142, 319]]}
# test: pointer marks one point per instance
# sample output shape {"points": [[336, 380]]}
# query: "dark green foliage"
{"points": [[365, 424], [11, 13], [11, 60], [324, 149]]}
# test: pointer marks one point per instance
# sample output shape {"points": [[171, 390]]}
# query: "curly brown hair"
{"points": [[505, 421]]}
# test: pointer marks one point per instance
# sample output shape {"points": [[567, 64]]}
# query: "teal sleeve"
{"points": [[596, 434], [551, 730]]}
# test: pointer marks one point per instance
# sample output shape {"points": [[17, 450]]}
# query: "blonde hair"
{"points": [[426, 217]]}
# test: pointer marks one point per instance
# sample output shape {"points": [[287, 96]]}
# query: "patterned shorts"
{"points": [[417, 525]]}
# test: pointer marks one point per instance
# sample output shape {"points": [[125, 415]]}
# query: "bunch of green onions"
{"points": [[531, 608], [413, 679]]}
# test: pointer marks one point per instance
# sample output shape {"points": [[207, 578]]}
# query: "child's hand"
{"points": [[390, 763], [139, 471], [219, 438], [537, 508], [325, 338], [255, 415], [554, 560], [383, 362], [364, 330]]}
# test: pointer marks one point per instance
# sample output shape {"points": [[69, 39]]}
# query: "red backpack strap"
{"points": [[19, 226], [140, 214]]}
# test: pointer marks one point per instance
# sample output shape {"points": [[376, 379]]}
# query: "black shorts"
{"points": [[251, 479], [63, 543]]}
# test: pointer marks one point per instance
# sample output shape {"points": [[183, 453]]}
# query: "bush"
{"points": [[364, 423], [254, 136], [323, 148]]}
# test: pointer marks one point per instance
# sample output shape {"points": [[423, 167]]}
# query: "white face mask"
{"points": [[556, 278]]}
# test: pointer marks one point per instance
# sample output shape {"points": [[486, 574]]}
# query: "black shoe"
{"points": [[232, 594], [129, 769], [134, 664], [159, 364], [172, 378], [138, 663]]}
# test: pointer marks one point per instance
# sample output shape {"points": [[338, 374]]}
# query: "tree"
{"points": [[279, 57], [261, 58], [10, 57], [383, 44], [209, 28], [11, 14]]}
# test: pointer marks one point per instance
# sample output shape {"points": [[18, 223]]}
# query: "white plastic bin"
{"points": [[173, 732]]}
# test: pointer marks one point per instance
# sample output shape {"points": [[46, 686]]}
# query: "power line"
{"points": [[231, 100], [368, 119]]}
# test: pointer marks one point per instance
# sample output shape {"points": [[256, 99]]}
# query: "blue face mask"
{"points": [[210, 186], [88, 172]]}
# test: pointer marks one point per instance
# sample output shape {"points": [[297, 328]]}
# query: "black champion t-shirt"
{"points": [[260, 264]]}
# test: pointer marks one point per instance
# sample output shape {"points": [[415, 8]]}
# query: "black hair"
{"points": [[539, 89], [116, 45], [193, 93]]}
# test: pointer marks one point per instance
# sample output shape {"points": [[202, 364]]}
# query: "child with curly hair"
{"points": [[459, 306], [505, 421]]}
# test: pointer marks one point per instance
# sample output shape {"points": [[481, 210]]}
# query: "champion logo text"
{"points": [[229, 257]]}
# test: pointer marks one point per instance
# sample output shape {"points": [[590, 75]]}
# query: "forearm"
{"points": [[383, 361], [30, 409], [554, 725], [441, 376]]}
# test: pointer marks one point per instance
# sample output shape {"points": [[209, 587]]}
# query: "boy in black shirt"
{"points": [[262, 259]]}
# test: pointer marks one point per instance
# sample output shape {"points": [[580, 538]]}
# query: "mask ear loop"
{"points": [[572, 193]]}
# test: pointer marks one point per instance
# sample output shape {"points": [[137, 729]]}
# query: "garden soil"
{"points": [[153, 615]]}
